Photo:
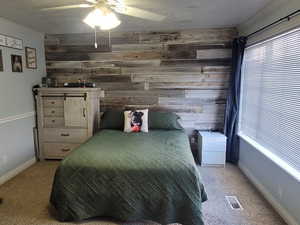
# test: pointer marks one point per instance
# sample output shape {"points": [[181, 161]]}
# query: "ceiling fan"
{"points": [[103, 13]]}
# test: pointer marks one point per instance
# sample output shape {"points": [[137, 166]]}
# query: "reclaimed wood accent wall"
{"points": [[182, 71]]}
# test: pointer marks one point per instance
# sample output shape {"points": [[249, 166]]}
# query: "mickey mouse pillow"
{"points": [[136, 121]]}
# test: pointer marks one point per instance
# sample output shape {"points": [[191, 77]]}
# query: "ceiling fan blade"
{"points": [[140, 13], [68, 7], [92, 1]]}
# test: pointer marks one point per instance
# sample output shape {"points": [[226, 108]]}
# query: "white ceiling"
{"points": [[181, 14]]}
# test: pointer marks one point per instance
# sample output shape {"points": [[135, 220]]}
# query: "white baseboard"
{"points": [[12, 173], [288, 218]]}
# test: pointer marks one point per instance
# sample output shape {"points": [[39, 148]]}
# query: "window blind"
{"points": [[270, 97]]}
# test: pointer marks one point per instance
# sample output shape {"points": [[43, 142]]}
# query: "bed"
{"points": [[130, 177]]}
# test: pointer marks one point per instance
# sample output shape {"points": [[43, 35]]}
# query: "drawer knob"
{"points": [[66, 149], [53, 111], [65, 135], [52, 103], [53, 121]]}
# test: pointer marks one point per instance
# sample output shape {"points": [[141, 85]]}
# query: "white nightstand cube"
{"points": [[212, 148]]}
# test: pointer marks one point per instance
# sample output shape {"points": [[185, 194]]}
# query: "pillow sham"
{"points": [[164, 121], [136, 121], [112, 119]]}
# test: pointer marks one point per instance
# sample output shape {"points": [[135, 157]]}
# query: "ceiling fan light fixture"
{"points": [[104, 19]]}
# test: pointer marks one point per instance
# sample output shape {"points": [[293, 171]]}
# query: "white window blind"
{"points": [[270, 98]]}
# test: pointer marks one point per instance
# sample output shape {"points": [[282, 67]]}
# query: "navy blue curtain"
{"points": [[233, 98]]}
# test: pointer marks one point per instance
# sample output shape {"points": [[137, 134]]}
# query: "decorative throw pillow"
{"points": [[112, 119], [136, 121], [164, 120]]}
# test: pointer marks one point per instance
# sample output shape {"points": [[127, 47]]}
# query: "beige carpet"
{"points": [[26, 199]]}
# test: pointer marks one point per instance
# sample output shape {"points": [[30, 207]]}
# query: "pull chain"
{"points": [[96, 45], [109, 41]]}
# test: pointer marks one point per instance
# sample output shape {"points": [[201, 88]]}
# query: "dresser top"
{"points": [[68, 90]]}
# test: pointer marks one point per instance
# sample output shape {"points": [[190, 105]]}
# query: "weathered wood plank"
{"points": [[120, 86], [139, 47], [105, 56], [188, 101], [97, 64], [89, 38], [179, 78], [209, 35], [63, 64], [129, 55], [158, 37], [210, 126], [150, 100], [69, 79], [139, 63], [110, 78], [76, 49], [190, 51], [200, 118], [199, 62], [206, 94], [160, 108], [100, 70], [189, 85], [213, 53], [162, 69], [142, 93], [216, 69]]}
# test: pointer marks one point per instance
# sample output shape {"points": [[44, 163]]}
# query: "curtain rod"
{"points": [[288, 17]]}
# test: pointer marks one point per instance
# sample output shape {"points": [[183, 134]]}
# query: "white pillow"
{"points": [[136, 121]]}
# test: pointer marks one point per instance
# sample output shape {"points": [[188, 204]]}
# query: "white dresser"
{"points": [[67, 117], [212, 148]]}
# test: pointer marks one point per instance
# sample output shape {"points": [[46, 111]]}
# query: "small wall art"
{"points": [[1, 61], [31, 59], [11, 42], [16, 63]]}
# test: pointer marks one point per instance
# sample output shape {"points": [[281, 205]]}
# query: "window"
{"points": [[270, 99]]}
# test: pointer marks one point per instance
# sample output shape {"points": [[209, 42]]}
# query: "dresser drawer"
{"points": [[54, 122], [55, 112], [65, 135], [53, 102], [58, 150]]}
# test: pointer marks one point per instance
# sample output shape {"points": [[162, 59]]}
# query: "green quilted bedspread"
{"points": [[130, 177]]}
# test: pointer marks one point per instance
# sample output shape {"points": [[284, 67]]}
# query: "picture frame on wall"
{"points": [[2, 40], [11, 42], [1, 62], [31, 58], [16, 63]]}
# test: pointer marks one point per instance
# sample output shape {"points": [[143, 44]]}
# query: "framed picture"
{"points": [[1, 61], [11, 42], [16, 63], [31, 59], [2, 40]]}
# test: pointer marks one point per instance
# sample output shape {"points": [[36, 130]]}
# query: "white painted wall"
{"points": [[280, 188], [16, 135], [276, 9]]}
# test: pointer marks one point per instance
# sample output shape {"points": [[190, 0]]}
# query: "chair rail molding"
{"points": [[16, 117]]}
